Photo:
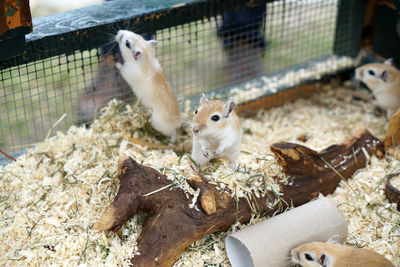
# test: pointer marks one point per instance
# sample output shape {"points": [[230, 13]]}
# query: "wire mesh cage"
{"points": [[67, 73]]}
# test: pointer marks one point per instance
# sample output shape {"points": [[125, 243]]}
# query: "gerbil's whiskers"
{"points": [[129, 25], [110, 50], [114, 29], [134, 27], [110, 42], [110, 36], [111, 39]]}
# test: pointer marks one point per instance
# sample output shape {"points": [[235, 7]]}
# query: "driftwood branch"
{"points": [[311, 173], [171, 225]]}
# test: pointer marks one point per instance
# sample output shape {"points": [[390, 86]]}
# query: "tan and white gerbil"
{"points": [[384, 81], [142, 71], [318, 254], [216, 132]]}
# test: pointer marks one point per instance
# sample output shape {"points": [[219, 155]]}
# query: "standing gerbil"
{"points": [[318, 254], [142, 71], [384, 81], [216, 132]]}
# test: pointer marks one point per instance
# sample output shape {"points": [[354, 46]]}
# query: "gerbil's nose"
{"points": [[195, 129]]}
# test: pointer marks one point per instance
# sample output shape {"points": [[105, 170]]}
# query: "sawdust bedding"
{"points": [[52, 195], [396, 182]]}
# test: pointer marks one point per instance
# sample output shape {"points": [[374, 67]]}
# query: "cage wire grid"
{"points": [[206, 55]]}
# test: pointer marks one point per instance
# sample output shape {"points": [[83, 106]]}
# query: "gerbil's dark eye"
{"points": [[215, 118], [127, 44], [308, 257], [371, 72], [196, 111]]}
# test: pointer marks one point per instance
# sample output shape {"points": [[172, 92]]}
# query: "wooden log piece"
{"points": [[311, 173], [393, 192], [171, 225], [392, 138]]}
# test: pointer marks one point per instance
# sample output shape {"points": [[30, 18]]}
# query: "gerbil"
{"points": [[216, 132], [318, 254], [384, 81], [143, 73]]}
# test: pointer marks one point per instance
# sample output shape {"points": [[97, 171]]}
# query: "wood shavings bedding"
{"points": [[313, 70], [51, 197], [396, 182]]}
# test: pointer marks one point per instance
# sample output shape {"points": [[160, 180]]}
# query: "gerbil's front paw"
{"points": [[205, 152], [218, 151], [118, 65]]}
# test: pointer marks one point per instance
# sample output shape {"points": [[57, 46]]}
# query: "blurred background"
{"points": [[46, 7]]}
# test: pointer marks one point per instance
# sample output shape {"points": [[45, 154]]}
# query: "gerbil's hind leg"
{"points": [[160, 123], [199, 159], [136, 105], [172, 139], [234, 165], [233, 157]]}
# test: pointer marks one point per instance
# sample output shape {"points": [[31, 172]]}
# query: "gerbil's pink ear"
{"points": [[153, 43], [228, 108], [385, 75], [334, 239], [203, 99], [118, 37], [389, 61]]}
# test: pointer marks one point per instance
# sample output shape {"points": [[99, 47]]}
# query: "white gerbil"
{"points": [[318, 254], [216, 132], [143, 73], [384, 81]]}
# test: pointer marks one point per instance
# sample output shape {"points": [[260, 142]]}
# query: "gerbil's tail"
{"points": [[184, 121]]}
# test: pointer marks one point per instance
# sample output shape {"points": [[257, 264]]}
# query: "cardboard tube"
{"points": [[268, 243]]}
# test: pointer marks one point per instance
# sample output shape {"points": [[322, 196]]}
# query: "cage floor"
{"points": [[53, 194]]}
